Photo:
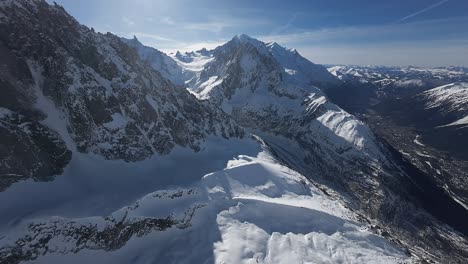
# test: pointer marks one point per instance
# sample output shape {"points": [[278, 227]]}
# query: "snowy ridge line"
{"points": [[67, 236], [217, 191], [403, 78], [455, 95], [245, 195]]}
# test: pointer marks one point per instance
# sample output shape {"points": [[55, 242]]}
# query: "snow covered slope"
{"points": [[159, 61], [314, 136], [398, 75], [193, 63], [92, 92], [451, 99], [431, 130], [254, 210], [148, 173], [247, 81], [300, 70], [397, 82]]}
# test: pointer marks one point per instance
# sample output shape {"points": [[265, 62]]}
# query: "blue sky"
{"points": [[410, 32]]}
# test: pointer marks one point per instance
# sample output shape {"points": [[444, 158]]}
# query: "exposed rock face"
{"points": [[247, 81], [70, 236], [431, 129], [93, 91], [71, 90], [332, 147], [408, 107], [28, 149]]}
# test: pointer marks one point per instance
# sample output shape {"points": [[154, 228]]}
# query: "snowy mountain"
{"points": [[232, 155], [226, 217], [159, 61], [247, 81], [300, 70], [71, 89], [430, 129], [399, 76], [145, 164], [394, 82], [311, 134], [451, 100], [419, 111]]}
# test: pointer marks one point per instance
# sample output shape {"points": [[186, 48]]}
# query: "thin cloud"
{"points": [[285, 26], [143, 35], [193, 46], [421, 11], [416, 31], [440, 53], [167, 21], [128, 21]]}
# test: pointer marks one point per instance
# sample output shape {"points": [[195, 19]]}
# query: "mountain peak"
{"points": [[136, 40], [243, 38], [273, 44]]}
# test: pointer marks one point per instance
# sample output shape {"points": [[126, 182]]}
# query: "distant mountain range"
{"points": [[422, 112], [112, 151]]}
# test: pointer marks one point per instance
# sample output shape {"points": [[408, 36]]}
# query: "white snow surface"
{"points": [[193, 64], [55, 119], [451, 99], [461, 121], [416, 140], [159, 61], [258, 89], [300, 70], [454, 95], [409, 83], [408, 79], [254, 210]]}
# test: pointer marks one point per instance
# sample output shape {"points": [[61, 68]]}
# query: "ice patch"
{"points": [[118, 122], [461, 121], [5, 112], [290, 71], [416, 140], [55, 120]]}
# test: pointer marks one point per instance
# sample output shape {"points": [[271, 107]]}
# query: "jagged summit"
{"points": [[144, 164], [244, 37], [135, 39], [298, 68], [276, 46], [92, 92]]}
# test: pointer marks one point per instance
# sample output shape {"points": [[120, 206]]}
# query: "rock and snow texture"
{"points": [[246, 78], [400, 76], [92, 90], [159, 61], [252, 211], [250, 83], [106, 107], [300, 70], [451, 99], [397, 82]]}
